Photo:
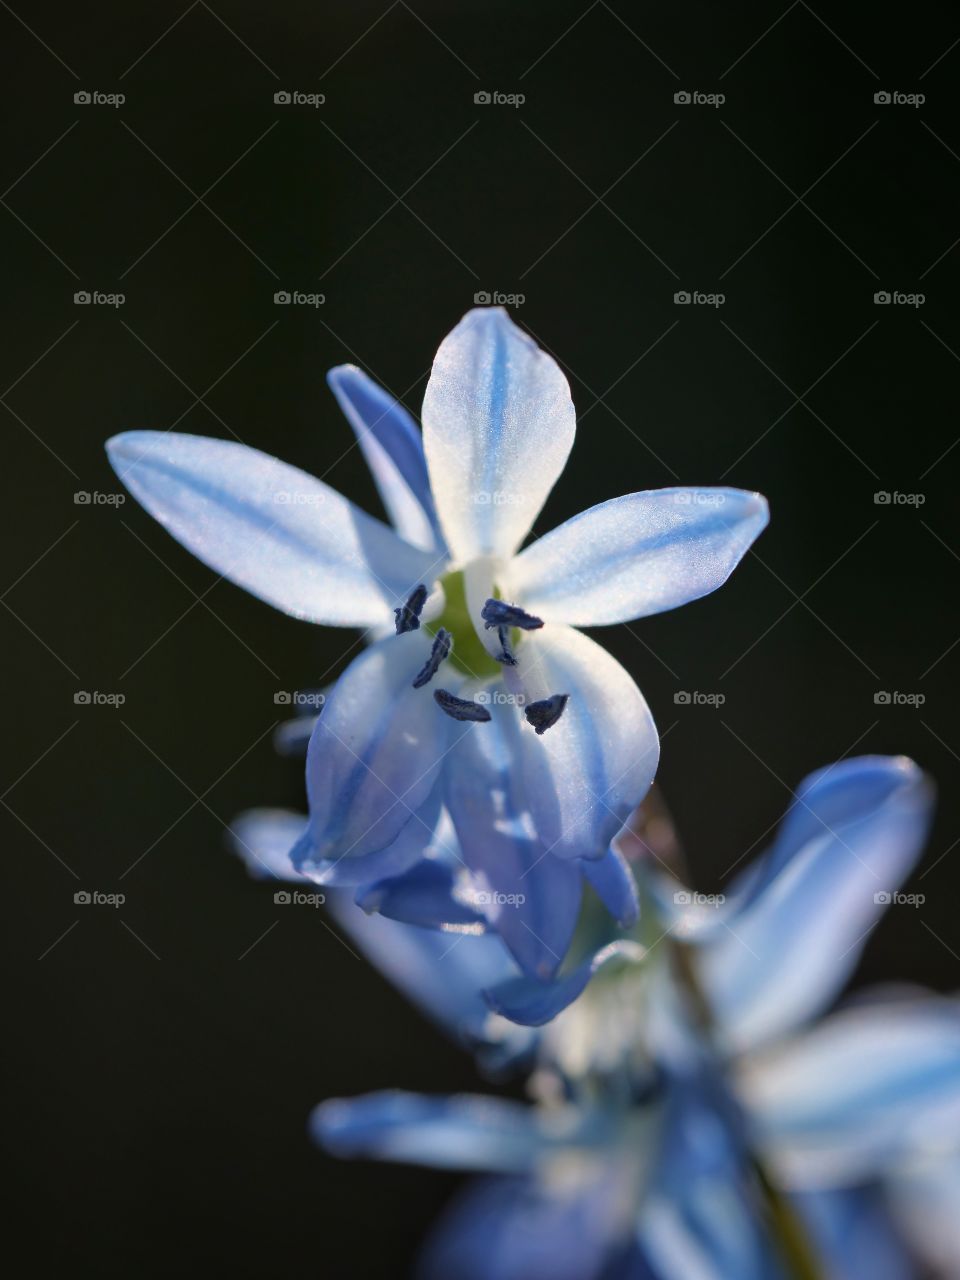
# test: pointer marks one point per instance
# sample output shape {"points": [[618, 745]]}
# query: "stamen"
{"points": [[505, 655], [442, 645], [408, 615], [497, 613], [544, 715], [459, 708]]}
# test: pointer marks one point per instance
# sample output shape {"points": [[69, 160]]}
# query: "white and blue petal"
{"points": [[275, 843], [264, 840], [375, 754], [498, 426], [443, 975], [864, 1089], [433, 894], [462, 1132], [637, 555], [800, 922], [393, 448], [584, 776], [530, 897], [531, 1003], [283, 535]]}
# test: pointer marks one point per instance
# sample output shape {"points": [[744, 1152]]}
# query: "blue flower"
{"points": [[462, 621], [638, 1144]]}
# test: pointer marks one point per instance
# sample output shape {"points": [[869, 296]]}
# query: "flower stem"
{"points": [[785, 1226]]}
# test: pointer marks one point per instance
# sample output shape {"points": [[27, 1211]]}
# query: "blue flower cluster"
{"points": [[478, 811]]}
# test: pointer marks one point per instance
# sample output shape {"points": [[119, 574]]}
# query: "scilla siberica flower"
{"points": [[636, 1162], [479, 721]]}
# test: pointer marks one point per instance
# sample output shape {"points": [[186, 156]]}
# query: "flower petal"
{"points": [[532, 1004], [464, 1132], [498, 425], [284, 536], [528, 1228], [375, 754], [854, 1234], [393, 447], [586, 774], [431, 895], [443, 976], [528, 896], [637, 555], [856, 830], [614, 884], [264, 838], [864, 1088]]}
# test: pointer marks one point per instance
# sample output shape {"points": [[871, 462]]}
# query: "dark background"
{"points": [[165, 1055]]}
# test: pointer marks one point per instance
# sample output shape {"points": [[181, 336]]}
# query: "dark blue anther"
{"points": [[497, 613], [544, 715], [505, 655], [408, 615], [459, 708], [441, 649]]}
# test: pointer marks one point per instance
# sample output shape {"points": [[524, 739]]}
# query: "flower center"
{"points": [[468, 654]]}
